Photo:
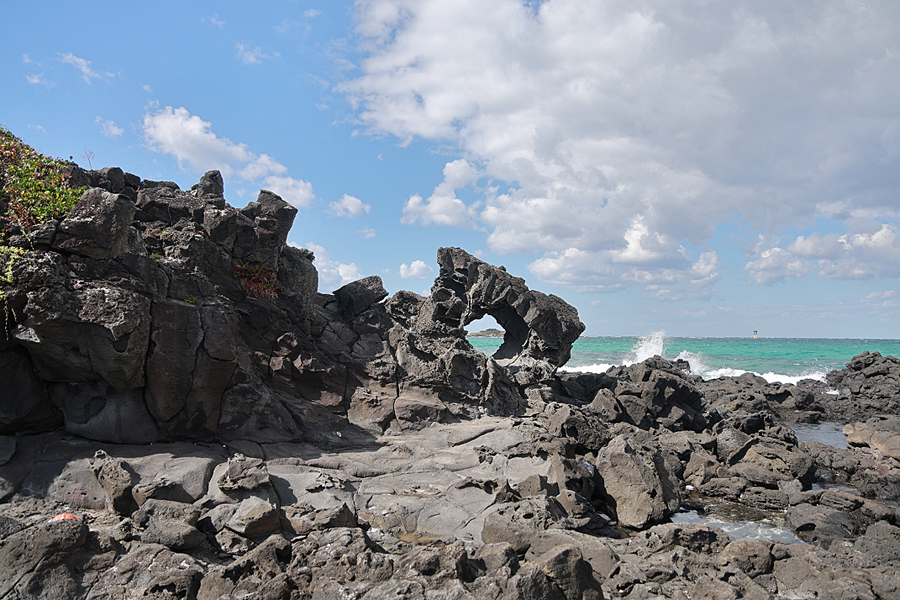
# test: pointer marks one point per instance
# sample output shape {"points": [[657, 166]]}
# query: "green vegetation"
{"points": [[8, 256], [33, 186], [190, 299]]}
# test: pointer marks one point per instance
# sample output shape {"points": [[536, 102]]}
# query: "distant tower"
{"points": [[754, 334]]}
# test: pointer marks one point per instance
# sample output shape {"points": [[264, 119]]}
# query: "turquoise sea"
{"points": [[787, 360]]}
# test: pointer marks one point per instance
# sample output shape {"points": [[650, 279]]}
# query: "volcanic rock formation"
{"points": [[185, 416]]}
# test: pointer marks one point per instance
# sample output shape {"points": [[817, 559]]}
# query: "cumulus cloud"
{"points": [[775, 264], [873, 254], [193, 143], [332, 274], [348, 206], [252, 55], [83, 66], [415, 270], [443, 207], [367, 232], [109, 128], [295, 191], [191, 140], [261, 166], [616, 134]]}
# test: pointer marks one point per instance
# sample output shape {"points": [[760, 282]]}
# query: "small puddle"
{"points": [[827, 433], [767, 527]]}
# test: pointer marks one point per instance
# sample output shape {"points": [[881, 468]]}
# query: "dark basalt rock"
{"points": [[540, 329], [131, 310], [307, 445]]}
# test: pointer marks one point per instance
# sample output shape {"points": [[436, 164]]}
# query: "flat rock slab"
{"points": [[441, 481], [61, 471]]}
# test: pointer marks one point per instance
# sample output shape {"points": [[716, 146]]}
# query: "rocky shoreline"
{"points": [[206, 425]]}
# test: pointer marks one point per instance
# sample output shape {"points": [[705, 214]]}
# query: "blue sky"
{"points": [[702, 168]]}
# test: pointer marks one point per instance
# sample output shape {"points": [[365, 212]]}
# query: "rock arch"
{"points": [[539, 328]]}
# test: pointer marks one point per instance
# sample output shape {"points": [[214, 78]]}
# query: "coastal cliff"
{"points": [[208, 425]]}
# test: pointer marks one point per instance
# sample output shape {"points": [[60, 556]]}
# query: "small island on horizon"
{"points": [[493, 333]]}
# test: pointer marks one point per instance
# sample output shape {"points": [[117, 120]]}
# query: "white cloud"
{"points": [[83, 66], [676, 277], [773, 265], [193, 143], [332, 274], [416, 270], [368, 233], [309, 14], [38, 128], [348, 206], [872, 254], [252, 55], [26, 59], [443, 207], [38, 80], [147, 88], [294, 191], [262, 166], [191, 140], [883, 299], [215, 20], [109, 128], [613, 134]]}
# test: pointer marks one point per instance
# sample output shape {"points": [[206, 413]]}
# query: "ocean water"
{"points": [[785, 360]]}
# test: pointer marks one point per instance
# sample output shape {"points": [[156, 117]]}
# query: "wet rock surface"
{"points": [[175, 429]]}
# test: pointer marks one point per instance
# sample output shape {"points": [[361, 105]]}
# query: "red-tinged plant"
{"points": [[34, 187], [257, 280]]}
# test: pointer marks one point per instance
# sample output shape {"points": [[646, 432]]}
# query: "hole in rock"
{"points": [[500, 333]]}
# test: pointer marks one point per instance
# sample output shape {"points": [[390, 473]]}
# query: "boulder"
{"points": [[520, 523], [879, 433], [94, 332], [28, 557], [117, 479], [210, 185], [254, 517], [357, 296], [98, 226], [868, 386], [171, 524], [637, 485], [261, 237], [766, 461]]}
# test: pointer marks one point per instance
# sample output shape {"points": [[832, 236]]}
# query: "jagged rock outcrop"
{"points": [[150, 313], [867, 387]]}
